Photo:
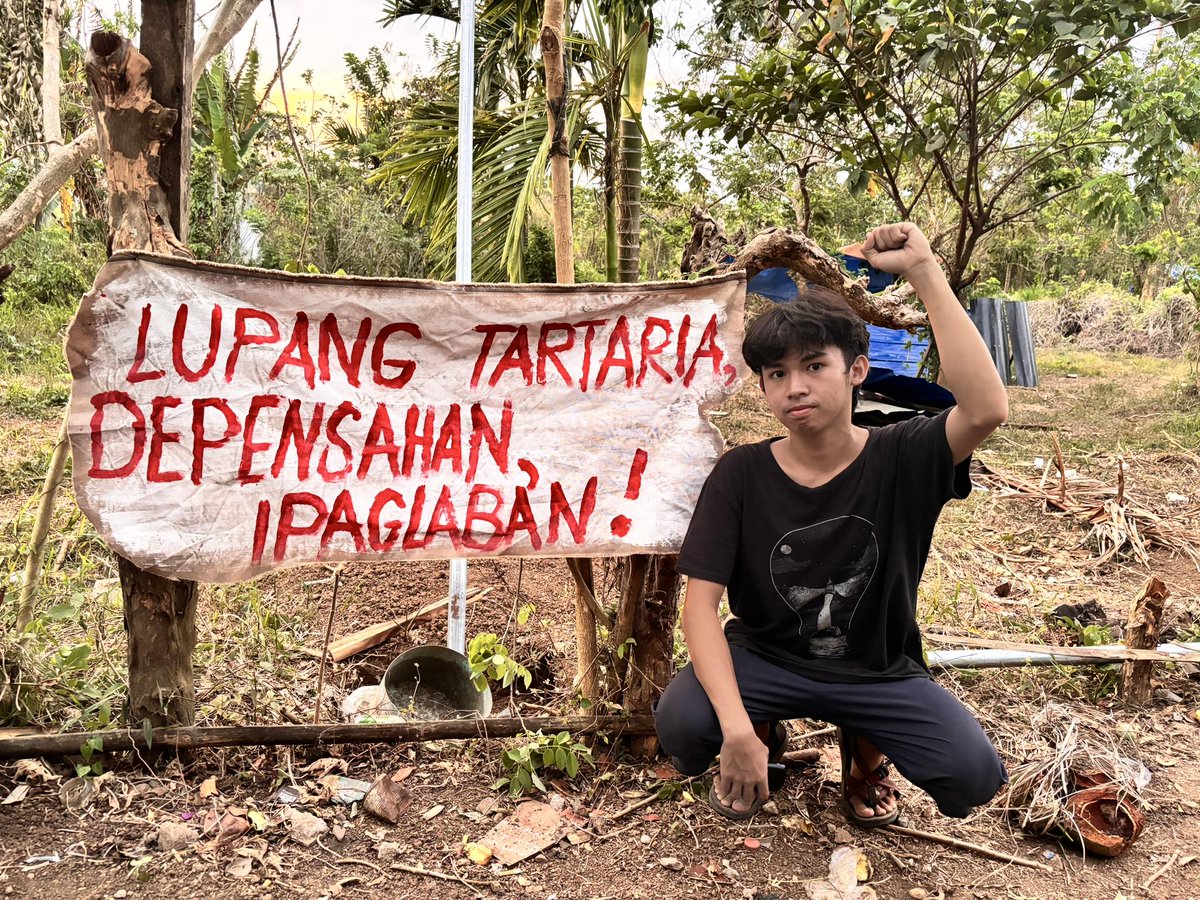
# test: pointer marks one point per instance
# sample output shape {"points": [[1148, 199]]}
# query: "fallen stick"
{"points": [[1162, 870], [634, 807], [820, 732], [273, 735], [418, 870], [964, 845], [374, 635]]}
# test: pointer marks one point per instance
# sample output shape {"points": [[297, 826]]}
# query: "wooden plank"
{"points": [[1099, 653], [167, 40], [293, 735], [374, 635]]}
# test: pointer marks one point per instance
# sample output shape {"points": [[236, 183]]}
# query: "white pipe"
{"points": [[456, 613], [1000, 659]]}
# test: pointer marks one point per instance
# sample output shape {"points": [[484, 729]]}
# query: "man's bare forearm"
{"points": [[966, 363], [713, 665]]}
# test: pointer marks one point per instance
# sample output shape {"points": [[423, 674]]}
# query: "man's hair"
{"points": [[816, 319]]}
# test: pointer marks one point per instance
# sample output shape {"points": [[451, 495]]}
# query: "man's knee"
{"points": [[687, 726], [969, 778]]}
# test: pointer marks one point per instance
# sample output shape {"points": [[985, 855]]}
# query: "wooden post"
{"points": [[1142, 634], [653, 651], [588, 678], [167, 41], [135, 130]]}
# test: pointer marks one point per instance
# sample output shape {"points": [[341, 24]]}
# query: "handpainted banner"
{"points": [[228, 421]]}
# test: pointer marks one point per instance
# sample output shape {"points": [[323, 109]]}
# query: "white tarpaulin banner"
{"points": [[228, 421]]}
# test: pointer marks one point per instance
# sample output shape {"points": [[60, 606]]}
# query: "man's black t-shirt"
{"points": [[823, 581]]}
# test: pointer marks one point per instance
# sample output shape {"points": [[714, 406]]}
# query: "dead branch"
{"points": [[964, 845], [23, 746], [799, 253]]}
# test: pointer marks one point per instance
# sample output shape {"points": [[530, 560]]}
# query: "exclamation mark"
{"points": [[620, 524]]}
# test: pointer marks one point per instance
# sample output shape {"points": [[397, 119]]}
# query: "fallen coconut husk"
{"points": [[1085, 792]]}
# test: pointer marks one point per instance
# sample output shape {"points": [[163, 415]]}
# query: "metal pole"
{"points": [[456, 613], [1003, 659]]}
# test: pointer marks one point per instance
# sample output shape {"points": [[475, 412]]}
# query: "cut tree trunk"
{"points": [[132, 128], [1142, 634], [650, 665], [64, 162], [135, 130]]}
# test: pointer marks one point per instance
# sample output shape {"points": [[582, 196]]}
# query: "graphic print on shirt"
{"points": [[822, 572]]}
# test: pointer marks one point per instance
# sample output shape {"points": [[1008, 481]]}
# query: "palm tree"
{"points": [[511, 141]]}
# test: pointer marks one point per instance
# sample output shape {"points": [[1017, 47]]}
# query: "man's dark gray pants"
{"points": [[927, 734]]}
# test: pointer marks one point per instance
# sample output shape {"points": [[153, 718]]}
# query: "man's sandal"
{"points": [[728, 811], [775, 736], [872, 788]]}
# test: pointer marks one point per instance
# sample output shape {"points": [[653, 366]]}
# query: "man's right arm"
{"points": [[743, 756]]}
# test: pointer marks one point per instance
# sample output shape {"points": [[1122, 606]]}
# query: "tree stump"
{"points": [[1142, 634], [133, 129]]}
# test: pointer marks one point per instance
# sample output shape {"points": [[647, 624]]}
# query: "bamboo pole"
{"points": [[294, 735], [41, 525]]}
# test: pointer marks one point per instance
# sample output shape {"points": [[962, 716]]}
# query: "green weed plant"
{"points": [[539, 755], [490, 662]]}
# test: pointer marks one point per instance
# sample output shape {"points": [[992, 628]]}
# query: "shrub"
{"points": [[50, 267]]}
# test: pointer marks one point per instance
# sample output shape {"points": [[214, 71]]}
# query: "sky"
{"points": [[329, 28]]}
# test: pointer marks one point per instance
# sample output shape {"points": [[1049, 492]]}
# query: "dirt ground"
{"points": [[1000, 565]]}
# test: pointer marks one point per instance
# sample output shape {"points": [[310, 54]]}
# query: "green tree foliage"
{"points": [[50, 267], [997, 109], [229, 118], [356, 227]]}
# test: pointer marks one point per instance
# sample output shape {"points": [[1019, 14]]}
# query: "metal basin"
{"points": [[434, 682]]}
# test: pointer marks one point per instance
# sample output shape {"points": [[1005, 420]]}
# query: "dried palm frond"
{"points": [[1119, 523]]}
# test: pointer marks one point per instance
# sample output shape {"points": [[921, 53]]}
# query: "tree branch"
{"points": [[51, 74]]}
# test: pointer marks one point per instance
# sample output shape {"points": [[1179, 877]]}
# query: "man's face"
{"points": [[810, 390]]}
